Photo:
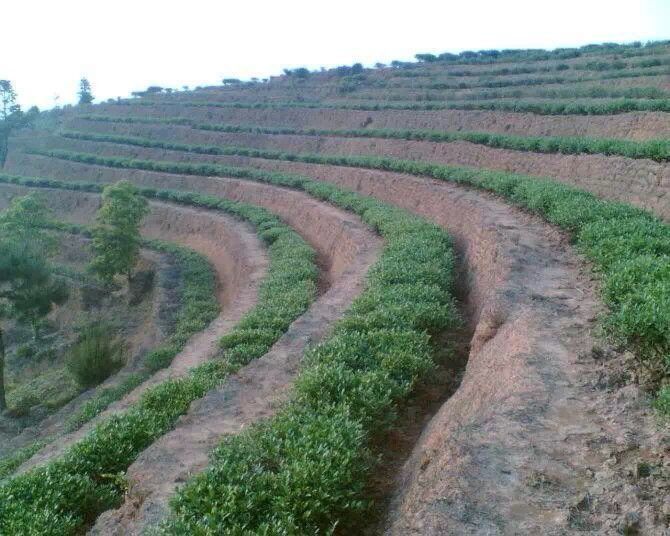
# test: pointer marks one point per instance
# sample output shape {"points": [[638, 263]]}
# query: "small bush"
{"points": [[95, 356]]}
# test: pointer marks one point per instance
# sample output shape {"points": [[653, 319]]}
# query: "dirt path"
{"points": [[252, 394], [240, 263]]}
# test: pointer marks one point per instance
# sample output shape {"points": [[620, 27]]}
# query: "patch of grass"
{"points": [[10, 463], [95, 356]]}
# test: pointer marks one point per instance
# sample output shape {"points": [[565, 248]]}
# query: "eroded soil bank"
{"points": [[634, 125], [641, 182]]}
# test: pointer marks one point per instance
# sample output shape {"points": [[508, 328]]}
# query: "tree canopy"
{"points": [[85, 95], [116, 235], [28, 288]]}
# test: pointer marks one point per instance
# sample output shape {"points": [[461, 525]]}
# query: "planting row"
{"points": [[614, 65], [629, 247], [502, 81], [593, 92], [68, 493], [572, 107], [658, 150]]}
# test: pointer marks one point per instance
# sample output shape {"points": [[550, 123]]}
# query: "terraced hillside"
{"points": [[444, 293]]}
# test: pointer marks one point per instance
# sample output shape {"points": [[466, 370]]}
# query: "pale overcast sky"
{"points": [[124, 45]]}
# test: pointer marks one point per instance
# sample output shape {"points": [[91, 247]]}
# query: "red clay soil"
{"points": [[641, 182], [231, 246], [634, 125], [546, 434]]}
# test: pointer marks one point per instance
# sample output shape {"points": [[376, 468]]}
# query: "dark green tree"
{"points": [[85, 95], [116, 235], [25, 224], [28, 287]]}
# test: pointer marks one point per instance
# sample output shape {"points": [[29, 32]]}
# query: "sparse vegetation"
{"points": [[28, 287]]}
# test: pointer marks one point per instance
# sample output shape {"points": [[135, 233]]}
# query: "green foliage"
{"points": [[11, 116], [95, 356], [662, 402], [26, 220], [116, 235], [29, 288], [102, 400], [66, 494], [9, 464]]}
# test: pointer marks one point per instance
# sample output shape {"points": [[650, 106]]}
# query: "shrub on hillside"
{"points": [[95, 357]]}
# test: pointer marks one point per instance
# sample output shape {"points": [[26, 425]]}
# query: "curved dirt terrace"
{"points": [[336, 235], [248, 396], [348, 248], [635, 125], [661, 81], [541, 437], [232, 247], [641, 182]]}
